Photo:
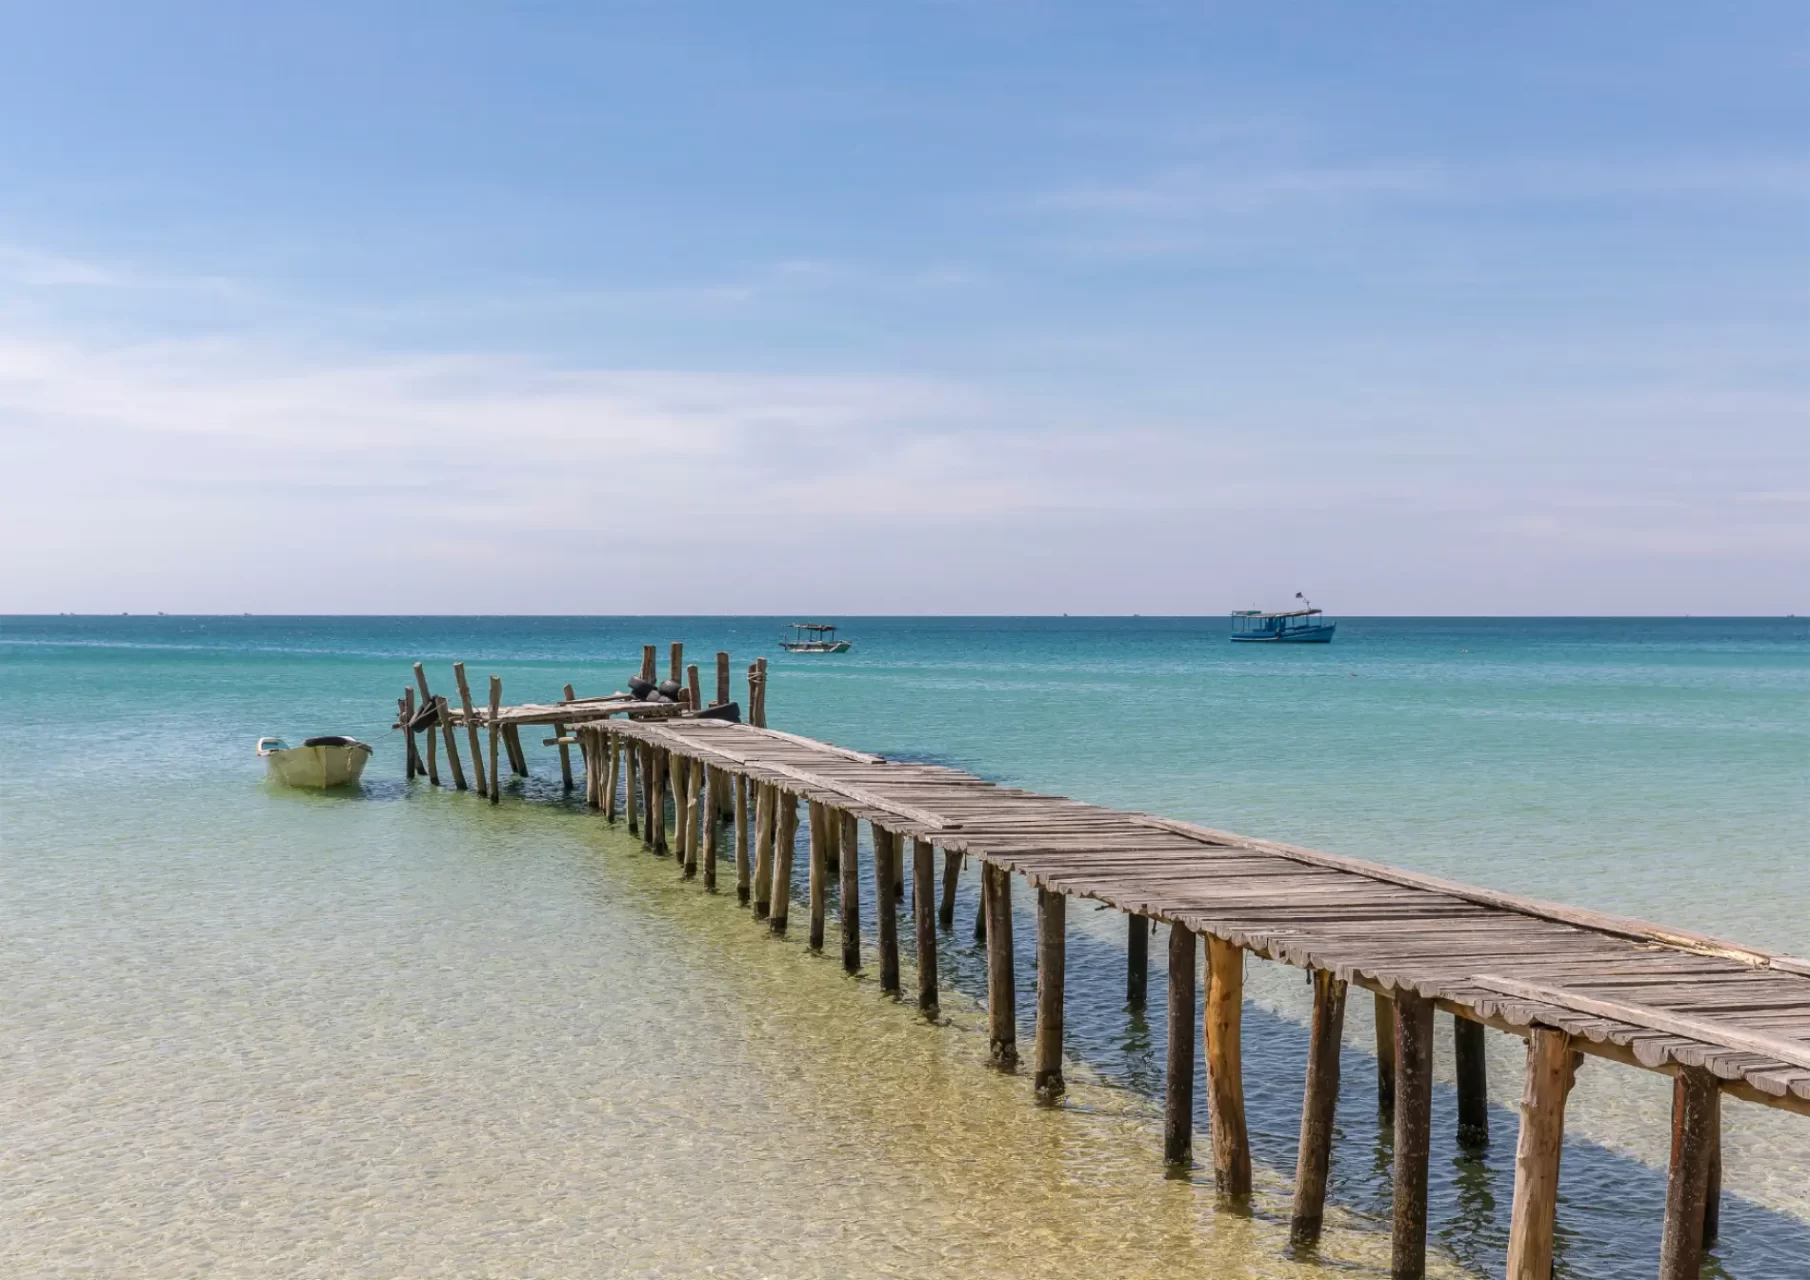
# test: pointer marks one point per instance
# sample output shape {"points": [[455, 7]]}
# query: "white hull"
{"points": [[320, 767]]}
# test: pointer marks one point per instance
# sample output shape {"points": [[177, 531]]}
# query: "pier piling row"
{"points": [[1719, 1017]]}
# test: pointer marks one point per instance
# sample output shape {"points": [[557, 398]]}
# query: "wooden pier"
{"points": [[1720, 1018]]}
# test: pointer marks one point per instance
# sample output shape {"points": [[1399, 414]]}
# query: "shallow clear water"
{"points": [[265, 1033]]}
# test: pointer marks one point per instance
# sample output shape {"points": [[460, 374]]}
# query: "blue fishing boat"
{"points": [[1306, 625]]}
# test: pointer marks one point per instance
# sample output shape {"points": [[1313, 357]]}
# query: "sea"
{"points": [[255, 1032]]}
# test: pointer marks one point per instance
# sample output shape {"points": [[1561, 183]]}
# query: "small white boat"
{"points": [[319, 762], [814, 637]]}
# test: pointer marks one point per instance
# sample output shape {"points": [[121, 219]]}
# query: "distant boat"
{"points": [[1305, 625], [814, 637], [318, 762]]}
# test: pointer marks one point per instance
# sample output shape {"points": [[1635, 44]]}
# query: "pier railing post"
{"points": [[851, 892], [1413, 1131], [1178, 1092], [886, 911], [647, 663], [1694, 1124], [1319, 1107], [1002, 994], [722, 677], [1537, 1150], [677, 673], [923, 899], [1225, 1069], [1052, 961]]}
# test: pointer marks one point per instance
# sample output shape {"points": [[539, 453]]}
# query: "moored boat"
{"points": [[330, 761], [814, 637], [1306, 625]]}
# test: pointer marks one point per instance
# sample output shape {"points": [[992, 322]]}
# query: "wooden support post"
{"points": [[1413, 1132], [471, 727], [677, 673], [656, 800], [694, 686], [406, 714], [1225, 1069], [427, 703], [1385, 1056], [1712, 1195], [612, 769], [819, 874], [518, 759], [1137, 960], [713, 827], [848, 843], [1473, 1082], [565, 752], [923, 900], [761, 665], [952, 870], [1319, 1108], [1002, 992], [743, 874], [886, 909], [1535, 1211], [444, 713], [647, 663], [1178, 1095], [722, 677], [1694, 1103], [980, 911], [644, 756], [496, 707], [763, 850], [785, 844], [832, 844], [591, 746], [630, 776], [684, 812], [1052, 959]]}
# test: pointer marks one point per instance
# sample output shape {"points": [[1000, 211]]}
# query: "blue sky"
{"points": [[992, 306]]}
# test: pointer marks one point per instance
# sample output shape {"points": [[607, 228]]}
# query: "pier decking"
{"points": [[1717, 1016]]}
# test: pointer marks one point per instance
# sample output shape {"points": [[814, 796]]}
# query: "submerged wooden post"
{"points": [[1052, 960], [444, 712], [848, 842], [1473, 1082], [923, 898], [742, 872], [1413, 1132], [1225, 1069], [405, 713], [1137, 960], [565, 752], [590, 748], [1712, 1195], [952, 870], [471, 727], [785, 844], [886, 909], [496, 705], [1694, 1124], [518, 759], [819, 874], [763, 851], [980, 910], [832, 844], [1537, 1152], [722, 677], [656, 800], [1002, 994], [644, 755], [1178, 1093], [1319, 1108], [681, 816], [613, 766], [1385, 1056]]}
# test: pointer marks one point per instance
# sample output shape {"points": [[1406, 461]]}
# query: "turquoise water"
{"points": [[404, 1033]]}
